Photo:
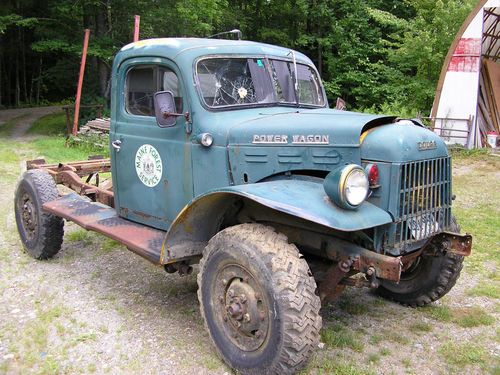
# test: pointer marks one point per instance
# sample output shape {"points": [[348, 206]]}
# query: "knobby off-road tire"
{"points": [[427, 280], [41, 233], [257, 297]]}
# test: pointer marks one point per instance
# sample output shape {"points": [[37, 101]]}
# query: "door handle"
{"points": [[116, 145]]}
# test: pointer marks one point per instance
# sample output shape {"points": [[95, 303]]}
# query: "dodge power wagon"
{"points": [[225, 153]]}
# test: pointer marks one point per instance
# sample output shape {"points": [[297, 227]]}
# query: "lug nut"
{"points": [[243, 298], [246, 318]]}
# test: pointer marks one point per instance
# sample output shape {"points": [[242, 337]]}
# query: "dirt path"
{"points": [[24, 118], [97, 308]]}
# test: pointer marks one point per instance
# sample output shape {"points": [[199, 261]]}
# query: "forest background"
{"points": [[378, 55]]}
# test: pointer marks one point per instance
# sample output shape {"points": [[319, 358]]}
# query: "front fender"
{"points": [[307, 200]]}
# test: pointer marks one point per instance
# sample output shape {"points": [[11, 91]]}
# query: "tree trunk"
{"points": [[102, 69], [39, 81]]}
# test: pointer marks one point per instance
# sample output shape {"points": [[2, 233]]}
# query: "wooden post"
{"points": [[136, 27], [80, 81]]}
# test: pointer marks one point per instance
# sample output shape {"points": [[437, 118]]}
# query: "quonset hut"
{"points": [[466, 106]]}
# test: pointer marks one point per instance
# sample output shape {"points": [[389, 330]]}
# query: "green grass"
{"points": [[489, 289], [353, 308], [80, 235], [53, 124], [472, 317], [419, 327], [337, 336], [54, 150], [463, 354], [478, 211], [466, 317]]}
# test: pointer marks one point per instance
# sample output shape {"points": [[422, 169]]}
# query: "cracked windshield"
{"points": [[255, 81]]}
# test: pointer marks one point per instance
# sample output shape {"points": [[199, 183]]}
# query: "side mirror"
{"points": [[165, 109]]}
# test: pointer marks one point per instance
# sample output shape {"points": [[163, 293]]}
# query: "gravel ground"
{"points": [[97, 308]]}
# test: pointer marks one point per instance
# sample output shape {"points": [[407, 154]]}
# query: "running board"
{"points": [[141, 239]]}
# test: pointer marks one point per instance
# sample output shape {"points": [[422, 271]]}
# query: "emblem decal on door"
{"points": [[148, 165]]}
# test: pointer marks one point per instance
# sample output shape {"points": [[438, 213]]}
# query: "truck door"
{"points": [[151, 166]]}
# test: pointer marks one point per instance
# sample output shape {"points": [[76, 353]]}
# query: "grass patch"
{"points": [[396, 337], [80, 235], [54, 150], [466, 317], [52, 124], [375, 339], [472, 317], [419, 327], [338, 366], [337, 336], [353, 308], [490, 290], [463, 354], [385, 352], [440, 313], [373, 358]]}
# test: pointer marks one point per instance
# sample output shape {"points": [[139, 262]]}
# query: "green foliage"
{"points": [[52, 124], [378, 55]]}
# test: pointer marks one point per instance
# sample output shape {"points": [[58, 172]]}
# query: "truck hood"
{"points": [[303, 127], [305, 140]]}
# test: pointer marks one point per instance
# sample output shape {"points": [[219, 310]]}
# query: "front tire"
{"points": [[41, 233], [257, 297], [427, 280]]}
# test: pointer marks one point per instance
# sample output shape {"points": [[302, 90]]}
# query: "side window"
{"points": [[143, 82]]}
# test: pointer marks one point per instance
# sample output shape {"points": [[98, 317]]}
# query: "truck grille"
{"points": [[424, 200]]}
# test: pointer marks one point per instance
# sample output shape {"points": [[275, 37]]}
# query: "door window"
{"points": [[143, 82]]}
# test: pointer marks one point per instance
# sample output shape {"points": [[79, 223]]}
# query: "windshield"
{"points": [[231, 81]]}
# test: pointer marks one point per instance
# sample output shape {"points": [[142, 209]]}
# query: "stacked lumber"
{"points": [[99, 124], [488, 114]]}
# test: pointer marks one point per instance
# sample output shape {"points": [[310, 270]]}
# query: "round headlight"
{"points": [[356, 187], [347, 186]]}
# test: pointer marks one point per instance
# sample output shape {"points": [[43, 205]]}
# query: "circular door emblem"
{"points": [[148, 165]]}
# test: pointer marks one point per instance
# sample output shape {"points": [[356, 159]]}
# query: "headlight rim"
{"points": [[339, 178]]}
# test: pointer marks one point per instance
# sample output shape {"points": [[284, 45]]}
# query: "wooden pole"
{"points": [[80, 81], [136, 27]]}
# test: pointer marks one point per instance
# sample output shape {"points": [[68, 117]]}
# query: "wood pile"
{"points": [[96, 126], [488, 114]]}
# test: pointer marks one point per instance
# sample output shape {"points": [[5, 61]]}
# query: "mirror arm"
{"points": [[167, 114]]}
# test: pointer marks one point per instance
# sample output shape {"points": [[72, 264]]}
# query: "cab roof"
{"points": [[192, 48]]}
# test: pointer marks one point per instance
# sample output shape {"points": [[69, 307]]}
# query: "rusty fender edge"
{"points": [[307, 200]]}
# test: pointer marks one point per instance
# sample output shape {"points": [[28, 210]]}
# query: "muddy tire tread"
{"points": [[51, 227], [295, 286], [450, 271]]}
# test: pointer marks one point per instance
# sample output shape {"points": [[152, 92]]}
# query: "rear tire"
{"points": [[41, 233], [257, 297], [427, 280]]}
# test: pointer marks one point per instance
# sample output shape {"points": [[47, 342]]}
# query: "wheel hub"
{"points": [[244, 311], [28, 216]]}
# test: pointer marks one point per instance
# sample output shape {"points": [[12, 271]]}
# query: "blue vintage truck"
{"points": [[225, 153]]}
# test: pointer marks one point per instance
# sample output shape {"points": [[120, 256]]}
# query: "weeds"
{"points": [[337, 336], [466, 317]]}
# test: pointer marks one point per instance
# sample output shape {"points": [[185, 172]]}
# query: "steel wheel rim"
{"points": [[29, 217], [242, 307]]}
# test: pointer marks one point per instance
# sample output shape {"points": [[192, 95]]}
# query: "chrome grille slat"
{"points": [[424, 201]]}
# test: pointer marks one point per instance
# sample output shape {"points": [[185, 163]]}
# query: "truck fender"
{"points": [[202, 217]]}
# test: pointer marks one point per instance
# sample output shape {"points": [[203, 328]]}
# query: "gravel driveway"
{"points": [[97, 308]]}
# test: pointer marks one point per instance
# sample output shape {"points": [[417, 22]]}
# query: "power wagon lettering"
{"points": [[315, 139]]}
